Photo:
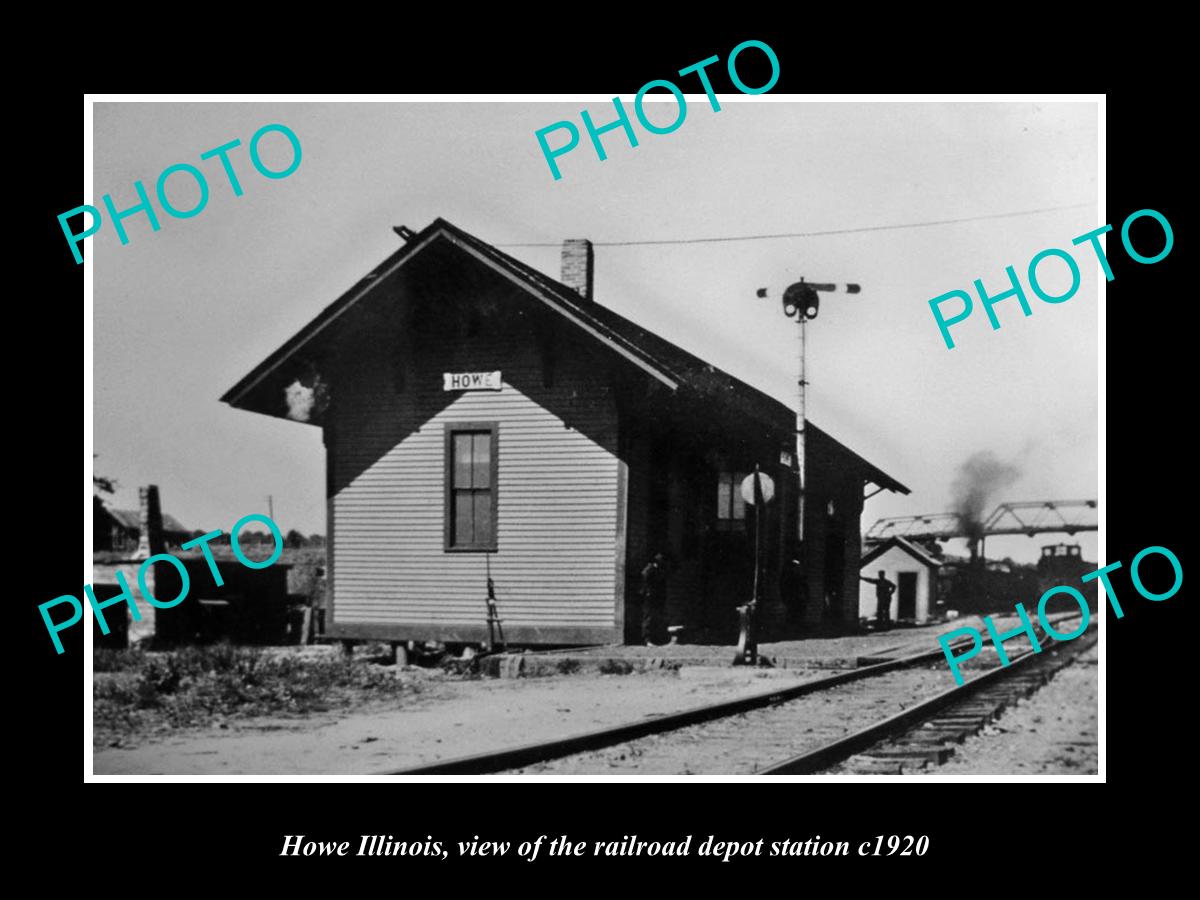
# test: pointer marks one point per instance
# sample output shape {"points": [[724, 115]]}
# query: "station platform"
{"points": [[844, 652]]}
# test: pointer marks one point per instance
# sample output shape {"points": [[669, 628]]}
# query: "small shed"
{"points": [[121, 529], [911, 569]]}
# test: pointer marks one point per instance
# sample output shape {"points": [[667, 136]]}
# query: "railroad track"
{"points": [[927, 732], [790, 731]]}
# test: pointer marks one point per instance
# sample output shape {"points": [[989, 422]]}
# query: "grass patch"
{"points": [[135, 693]]}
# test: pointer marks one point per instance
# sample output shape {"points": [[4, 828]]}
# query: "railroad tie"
{"points": [[932, 743]]}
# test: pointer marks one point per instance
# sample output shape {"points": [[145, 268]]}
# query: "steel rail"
{"points": [[530, 754], [839, 750]]}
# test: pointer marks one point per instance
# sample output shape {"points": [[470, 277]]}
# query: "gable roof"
{"points": [[907, 546], [669, 364]]}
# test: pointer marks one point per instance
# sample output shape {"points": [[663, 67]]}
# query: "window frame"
{"points": [[731, 522], [451, 429]]}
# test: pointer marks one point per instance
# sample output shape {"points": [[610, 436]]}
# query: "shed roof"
{"points": [[131, 518], [907, 546], [671, 365]]}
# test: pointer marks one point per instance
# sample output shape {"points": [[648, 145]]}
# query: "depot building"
{"points": [[483, 419]]}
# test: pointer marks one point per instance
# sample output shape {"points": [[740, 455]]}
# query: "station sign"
{"points": [[471, 381]]}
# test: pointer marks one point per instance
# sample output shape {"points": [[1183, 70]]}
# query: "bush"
{"points": [[567, 666], [615, 667], [194, 686], [105, 659]]}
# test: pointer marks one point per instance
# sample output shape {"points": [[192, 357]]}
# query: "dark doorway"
{"points": [[728, 552], [648, 524], [728, 582], [908, 596]]}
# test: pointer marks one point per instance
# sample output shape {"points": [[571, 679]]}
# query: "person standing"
{"points": [[883, 597], [654, 600]]}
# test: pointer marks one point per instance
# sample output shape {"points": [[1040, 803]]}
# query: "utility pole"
{"points": [[801, 416], [801, 302], [271, 507]]}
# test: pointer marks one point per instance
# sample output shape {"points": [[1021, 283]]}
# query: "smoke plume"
{"points": [[975, 486]]}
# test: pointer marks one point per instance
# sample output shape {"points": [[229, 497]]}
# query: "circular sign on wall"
{"points": [[765, 485]]}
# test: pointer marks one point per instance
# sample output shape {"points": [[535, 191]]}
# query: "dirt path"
{"points": [[447, 719]]}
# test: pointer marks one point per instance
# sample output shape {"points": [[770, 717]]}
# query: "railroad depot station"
{"points": [[482, 419]]}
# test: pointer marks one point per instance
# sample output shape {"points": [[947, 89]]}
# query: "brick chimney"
{"points": [[578, 266], [150, 535]]}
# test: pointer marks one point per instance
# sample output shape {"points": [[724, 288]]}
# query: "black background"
{"points": [[1013, 835]]}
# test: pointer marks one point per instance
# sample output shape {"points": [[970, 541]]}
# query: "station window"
{"points": [[471, 486], [731, 508]]}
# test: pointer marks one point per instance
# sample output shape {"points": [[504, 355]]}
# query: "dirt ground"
{"points": [[446, 719], [450, 717], [1052, 732]]}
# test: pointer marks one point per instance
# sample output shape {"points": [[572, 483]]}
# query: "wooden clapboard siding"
{"points": [[556, 560]]}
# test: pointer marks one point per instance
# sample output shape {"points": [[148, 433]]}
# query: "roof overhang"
{"points": [[907, 546], [869, 473]]}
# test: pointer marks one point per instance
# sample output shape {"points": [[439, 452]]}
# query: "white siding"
{"points": [[894, 561], [555, 564]]}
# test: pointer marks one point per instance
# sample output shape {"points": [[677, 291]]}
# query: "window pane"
{"points": [[739, 505], [464, 527], [723, 496], [482, 465], [462, 460], [472, 502], [483, 517]]}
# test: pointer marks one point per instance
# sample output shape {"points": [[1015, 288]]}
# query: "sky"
{"points": [[183, 313]]}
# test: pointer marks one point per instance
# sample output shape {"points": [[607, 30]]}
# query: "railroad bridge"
{"points": [[1030, 518]]}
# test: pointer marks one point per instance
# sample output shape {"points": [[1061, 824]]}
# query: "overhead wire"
{"points": [[821, 233]]}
